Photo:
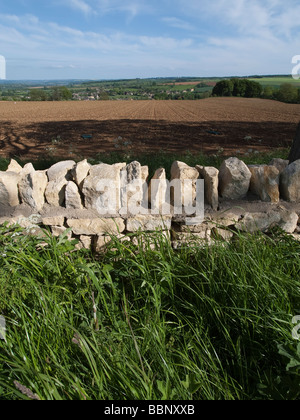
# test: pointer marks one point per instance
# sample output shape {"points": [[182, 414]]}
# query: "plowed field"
{"points": [[34, 129]]}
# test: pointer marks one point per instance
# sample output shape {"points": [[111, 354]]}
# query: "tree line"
{"points": [[58, 93], [245, 88]]}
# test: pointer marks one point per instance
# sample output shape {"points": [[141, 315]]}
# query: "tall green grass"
{"points": [[148, 322]]}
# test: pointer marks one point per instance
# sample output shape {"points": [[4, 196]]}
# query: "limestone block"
{"points": [[234, 179], [72, 196], [158, 193], [265, 182], [148, 223], [80, 172], [211, 185], [133, 188], [99, 226], [280, 164], [101, 188], [55, 192], [61, 170], [59, 174], [9, 193], [183, 172], [14, 167], [290, 182], [32, 187], [288, 221], [53, 221], [254, 222]]}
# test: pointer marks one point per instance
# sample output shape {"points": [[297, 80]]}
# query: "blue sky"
{"points": [[109, 39]]}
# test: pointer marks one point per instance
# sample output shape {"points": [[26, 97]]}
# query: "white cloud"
{"points": [[178, 23]]}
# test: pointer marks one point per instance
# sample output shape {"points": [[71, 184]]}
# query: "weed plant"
{"points": [[147, 322]]}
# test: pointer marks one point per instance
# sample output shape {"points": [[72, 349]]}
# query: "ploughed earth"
{"points": [[84, 129]]}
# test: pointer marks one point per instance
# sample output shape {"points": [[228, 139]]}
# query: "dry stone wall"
{"points": [[94, 202]]}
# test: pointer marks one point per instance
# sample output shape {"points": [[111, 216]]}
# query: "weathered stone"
{"points": [[32, 189], [61, 170], [14, 167], [133, 188], [183, 173], [72, 196], [99, 226], [148, 223], [101, 188], [221, 234], [55, 192], [80, 172], [60, 230], [211, 185], [265, 182], [85, 242], [9, 193], [234, 179], [253, 222], [288, 221], [280, 164], [58, 175], [158, 193], [226, 219], [290, 182], [53, 221]]}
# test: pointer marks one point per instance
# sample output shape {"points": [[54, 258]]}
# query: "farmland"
{"points": [[31, 130]]}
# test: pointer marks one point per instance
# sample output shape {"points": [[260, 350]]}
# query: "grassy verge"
{"points": [[200, 323]]}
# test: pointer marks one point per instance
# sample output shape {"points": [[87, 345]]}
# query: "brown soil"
{"points": [[32, 130]]}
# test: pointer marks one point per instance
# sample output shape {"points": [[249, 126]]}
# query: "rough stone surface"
{"points": [[288, 221], [61, 170], [72, 196], [234, 179], [100, 226], [265, 182], [254, 222], [290, 182], [80, 172], [182, 172], [102, 188], [133, 188], [58, 175], [211, 185], [14, 167], [280, 164], [157, 192], [32, 189], [53, 221], [9, 193], [55, 192], [148, 223]]}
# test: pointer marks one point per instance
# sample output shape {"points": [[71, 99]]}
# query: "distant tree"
{"points": [[253, 89], [103, 96], [268, 92], [61, 93], [287, 93], [238, 87], [223, 88], [37, 95]]}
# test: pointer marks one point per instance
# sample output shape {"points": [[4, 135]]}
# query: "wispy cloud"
{"points": [[178, 23]]}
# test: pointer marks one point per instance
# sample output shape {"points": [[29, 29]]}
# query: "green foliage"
{"points": [[238, 87], [147, 322], [287, 93]]}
